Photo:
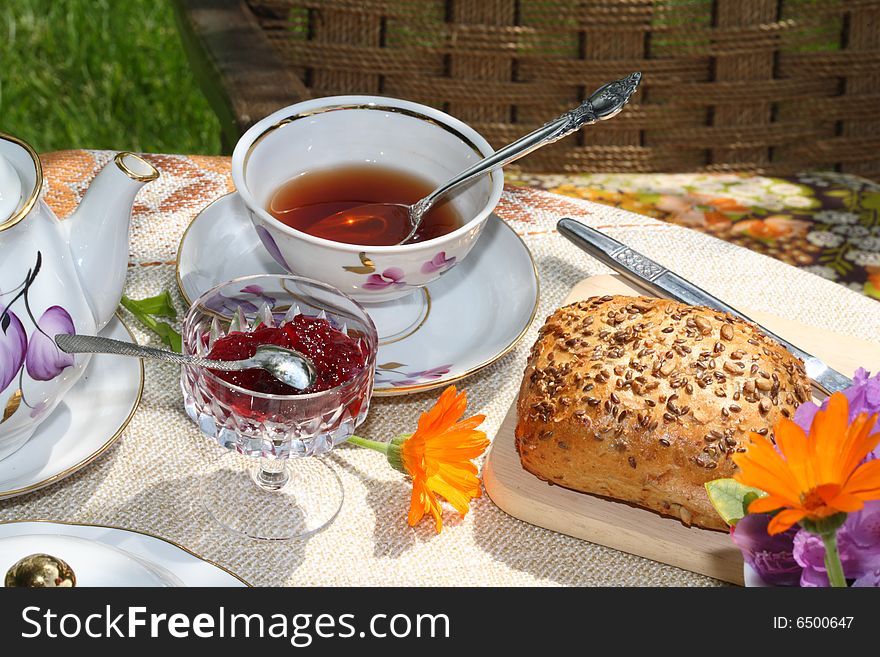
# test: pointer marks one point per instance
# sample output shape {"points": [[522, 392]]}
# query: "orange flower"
{"points": [[817, 477], [438, 458], [729, 205], [771, 228]]}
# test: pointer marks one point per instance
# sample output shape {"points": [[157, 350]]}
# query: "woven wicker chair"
{"points": [[768, 86]]}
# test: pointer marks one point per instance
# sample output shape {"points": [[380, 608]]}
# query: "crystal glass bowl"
{"points": [[251, 489]]}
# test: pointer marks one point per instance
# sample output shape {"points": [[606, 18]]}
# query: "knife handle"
{"points": [[649, 275]]}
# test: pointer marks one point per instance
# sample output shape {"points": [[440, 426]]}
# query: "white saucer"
{"points": [[92, 415], [109, 556], [457, 325]]}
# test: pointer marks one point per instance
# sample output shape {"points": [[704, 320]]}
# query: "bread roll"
{"points": [[645, 400]]}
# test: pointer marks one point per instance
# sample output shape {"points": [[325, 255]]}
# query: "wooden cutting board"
{"points": [[631, 529]]}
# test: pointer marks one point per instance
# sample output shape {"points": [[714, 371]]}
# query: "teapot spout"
{"points": [[99, 232]]}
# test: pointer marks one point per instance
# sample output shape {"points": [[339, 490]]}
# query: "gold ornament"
{"points": [[12, 405], [40, 571]]}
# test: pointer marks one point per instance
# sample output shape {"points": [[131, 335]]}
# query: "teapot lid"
{"points": [[21, 179], [10, 189]]}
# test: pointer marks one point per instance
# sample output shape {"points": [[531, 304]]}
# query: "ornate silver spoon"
{"points": [[287, 365], [606, 102]]}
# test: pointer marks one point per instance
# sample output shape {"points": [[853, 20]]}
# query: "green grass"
{"points": [[100, 74]]}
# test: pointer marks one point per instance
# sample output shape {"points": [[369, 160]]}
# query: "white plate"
{"points": [[90, 418], [93, 563], [109, 556], [457, 325]]}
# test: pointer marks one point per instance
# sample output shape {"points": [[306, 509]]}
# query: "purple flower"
{"points": [[858, 543], [391, 277], [871, 577], [863, 527], [797, 557], [44, 359], [770, 556], [437, 263], [858, 540], [13, 345], [272, 247], [863, 396], [809, 552]]}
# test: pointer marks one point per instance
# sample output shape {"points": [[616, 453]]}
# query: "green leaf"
{"points": [[164, 330], [160, 305], [748, 498], [168, 335], [731, 499]]}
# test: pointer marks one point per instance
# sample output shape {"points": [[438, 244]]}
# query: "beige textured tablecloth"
{"points": [[147, 481]]}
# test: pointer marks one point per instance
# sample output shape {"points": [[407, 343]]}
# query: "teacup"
{"points": [[343, 131]]}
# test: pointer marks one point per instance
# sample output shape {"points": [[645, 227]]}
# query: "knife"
{"points": [[647, 274]]}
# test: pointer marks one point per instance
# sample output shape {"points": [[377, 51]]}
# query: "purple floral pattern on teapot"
{"points": [[36, 354], [44, 360], [13, 347]]}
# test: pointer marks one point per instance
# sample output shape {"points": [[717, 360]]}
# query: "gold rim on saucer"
{"points": [[5, 494], [393, 391], [131, 531]]}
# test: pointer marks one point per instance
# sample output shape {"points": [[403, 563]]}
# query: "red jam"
{"points": [[336, 356]]}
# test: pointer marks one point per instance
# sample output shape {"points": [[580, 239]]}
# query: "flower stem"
{"points": [[832, 560], [369, 444]]}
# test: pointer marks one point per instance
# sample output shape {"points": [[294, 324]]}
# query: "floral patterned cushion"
{"points": [[824, 222]]}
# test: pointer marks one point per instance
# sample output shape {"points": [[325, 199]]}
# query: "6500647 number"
{"points": [[813, 622], [823, 622]]}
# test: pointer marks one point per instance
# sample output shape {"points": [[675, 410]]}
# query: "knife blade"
{"points": [[662, 282]]}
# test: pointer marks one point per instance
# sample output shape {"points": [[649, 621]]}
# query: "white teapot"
{"points": [[55, 277]]}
